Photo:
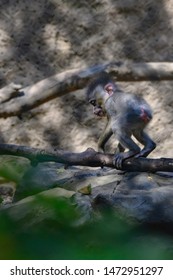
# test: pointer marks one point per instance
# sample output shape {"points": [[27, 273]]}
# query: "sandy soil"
{"points": [[43, 37]]}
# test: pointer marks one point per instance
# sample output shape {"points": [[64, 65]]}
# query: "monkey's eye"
{"points": [[93, 102]]}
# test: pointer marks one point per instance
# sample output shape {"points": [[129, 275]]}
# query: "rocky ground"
{"points": [[43, 37]]}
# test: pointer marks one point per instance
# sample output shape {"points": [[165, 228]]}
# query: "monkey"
{"points": [[93, 97], [127, 114]]}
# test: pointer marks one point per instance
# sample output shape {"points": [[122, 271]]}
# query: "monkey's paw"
{"points": [[118, 160]]}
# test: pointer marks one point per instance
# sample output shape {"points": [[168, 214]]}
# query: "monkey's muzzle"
{"points": [[98, 111]]}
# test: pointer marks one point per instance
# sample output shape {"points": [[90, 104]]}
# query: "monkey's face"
{"points": [[98, 109]]}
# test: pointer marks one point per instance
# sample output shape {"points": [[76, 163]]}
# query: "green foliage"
{"points": [[42, 227], [51, 230], [12, 168]]}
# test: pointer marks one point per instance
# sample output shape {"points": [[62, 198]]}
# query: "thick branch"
{"points": [[87, 158], [75, 79]]}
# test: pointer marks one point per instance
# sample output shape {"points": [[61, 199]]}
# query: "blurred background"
{"points": [[41, 38]]}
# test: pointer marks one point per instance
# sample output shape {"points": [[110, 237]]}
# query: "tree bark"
{"points": [[75, 79], [87, 158]]}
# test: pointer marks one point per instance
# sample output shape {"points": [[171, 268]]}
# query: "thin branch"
{"points": [[75, 79], [87, 158]]}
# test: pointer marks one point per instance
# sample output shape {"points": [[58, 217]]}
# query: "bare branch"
{"points": [[9, 91], [75, 79], [87, 158]]}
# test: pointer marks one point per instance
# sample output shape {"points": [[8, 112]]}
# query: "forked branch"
{"points": [[60, 84]]}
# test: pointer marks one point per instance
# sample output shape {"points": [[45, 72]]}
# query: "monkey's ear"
{"points": [[110, 88]]}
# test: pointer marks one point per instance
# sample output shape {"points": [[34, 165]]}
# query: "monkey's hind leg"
{"points": [[144, 139], [126, 142]]}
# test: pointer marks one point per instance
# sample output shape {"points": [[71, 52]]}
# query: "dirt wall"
{"points": [[43, 37]]}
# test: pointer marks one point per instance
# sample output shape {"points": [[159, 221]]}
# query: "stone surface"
{"points": [[139, 197]]}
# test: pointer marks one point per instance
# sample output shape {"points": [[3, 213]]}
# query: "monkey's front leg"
{"points": [[119, 158], [125, 141], [104, 137]]}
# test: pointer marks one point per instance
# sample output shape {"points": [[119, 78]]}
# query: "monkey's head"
{"points": [[98, 91], [95, 88]]}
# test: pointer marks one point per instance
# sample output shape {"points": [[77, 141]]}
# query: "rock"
{"points": [[38, 208], [46, 176], [141, 197]]}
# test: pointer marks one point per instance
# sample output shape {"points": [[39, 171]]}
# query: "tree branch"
{"points": [[8, 92], [87, 158], [75, 79]]}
